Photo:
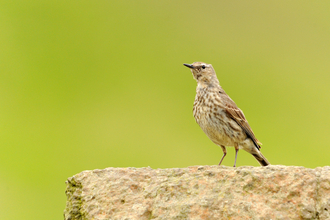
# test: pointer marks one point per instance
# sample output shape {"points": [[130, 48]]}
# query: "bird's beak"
{"points": [[189, 65]]}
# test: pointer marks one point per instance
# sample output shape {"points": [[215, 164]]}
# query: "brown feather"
{"points": [[237, 114]]}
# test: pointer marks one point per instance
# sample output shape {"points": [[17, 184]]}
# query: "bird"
{"points": [[219, 117]]}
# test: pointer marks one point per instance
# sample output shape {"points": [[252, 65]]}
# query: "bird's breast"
{"points": [[213, 120]]}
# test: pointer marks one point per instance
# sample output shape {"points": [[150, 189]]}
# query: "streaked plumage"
{"points": [[219, 117]]}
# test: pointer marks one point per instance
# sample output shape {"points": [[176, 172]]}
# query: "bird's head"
{"points": [[203, 73]]}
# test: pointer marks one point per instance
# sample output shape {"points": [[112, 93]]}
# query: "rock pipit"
{"points": [[219, 117]]}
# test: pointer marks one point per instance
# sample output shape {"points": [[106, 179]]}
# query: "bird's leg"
{"points": [[236, 149], [224, 153]]}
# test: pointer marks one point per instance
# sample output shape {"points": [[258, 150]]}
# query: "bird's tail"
{"points": [[261, 158]]}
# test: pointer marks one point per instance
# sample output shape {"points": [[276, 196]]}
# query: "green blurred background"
{"points": [[94, 84]]}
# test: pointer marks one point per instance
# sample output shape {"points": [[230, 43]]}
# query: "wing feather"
{"points": [[238, 116]]}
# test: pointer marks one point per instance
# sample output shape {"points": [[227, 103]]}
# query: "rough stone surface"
{"points": [[200, 192]]}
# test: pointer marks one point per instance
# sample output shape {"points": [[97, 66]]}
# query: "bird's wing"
{"points": [[237, 114]]}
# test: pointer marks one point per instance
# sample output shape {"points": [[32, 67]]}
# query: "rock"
{"points": [[200, 192]]}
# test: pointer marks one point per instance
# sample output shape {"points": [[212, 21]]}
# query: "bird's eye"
{"points": [[203, 66]]}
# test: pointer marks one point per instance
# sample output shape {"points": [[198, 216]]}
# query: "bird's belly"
{"points": [[218, 135], [219, 128]]}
